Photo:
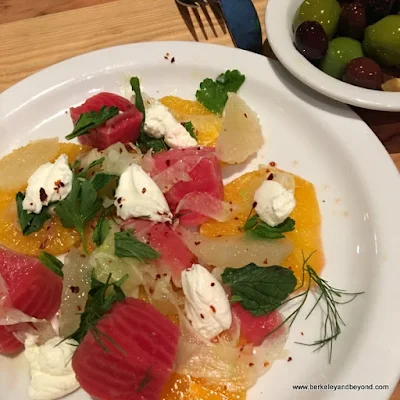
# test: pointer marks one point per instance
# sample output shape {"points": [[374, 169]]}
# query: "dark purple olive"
{"points": [[396, 7], [363, 72], [353, 21], [378, 9], [311, 40]]}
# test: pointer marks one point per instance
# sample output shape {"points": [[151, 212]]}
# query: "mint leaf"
{"points": [[126, 245], [190, 128], [145, 142], [79, 207], [99, 181], [91, 120], [52, 263], [30, 222], [101, 231], [258, 229], [251, 222], [214, 94], [259, 290]]}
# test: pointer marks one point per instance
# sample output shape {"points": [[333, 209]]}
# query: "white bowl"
{"points": [[278, 19]]}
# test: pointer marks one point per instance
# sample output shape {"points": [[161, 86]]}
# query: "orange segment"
{"points": [[206, 124], [241, 192], [307, 235], [72, 150], [183, 387], [53, 237]]}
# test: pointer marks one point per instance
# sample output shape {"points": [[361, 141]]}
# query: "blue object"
{"points": [[242, 21]]}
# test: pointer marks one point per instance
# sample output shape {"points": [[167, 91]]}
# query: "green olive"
{"points": [[340, 51], [326, 12], [382, 41]]}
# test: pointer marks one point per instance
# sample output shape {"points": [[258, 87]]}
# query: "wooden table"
{"points": [[37, 33]]}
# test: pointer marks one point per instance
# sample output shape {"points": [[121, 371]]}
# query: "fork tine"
{"points": [[192, 3]]}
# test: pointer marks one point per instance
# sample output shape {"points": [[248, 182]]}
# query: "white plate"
{"points": [[278, 20], [323, 141]]}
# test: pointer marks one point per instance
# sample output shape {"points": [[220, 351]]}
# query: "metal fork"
{"points": [[192, 3]]}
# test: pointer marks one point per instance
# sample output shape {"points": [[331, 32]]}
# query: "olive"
{"points": [[363, 72], [326, 12], [311, 40], [382, 41], [353, 21], [341, 50], [377, 9]]}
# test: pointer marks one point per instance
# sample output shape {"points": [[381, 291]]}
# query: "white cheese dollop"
{"points": [[207, 305], [138, 196], [50, 182], [274, 203], [52, 375], [160, 122]]}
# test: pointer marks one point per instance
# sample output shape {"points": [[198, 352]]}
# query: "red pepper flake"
{"points": [[266, 364], [120, 206], [168, 162], [302, 333], [79, 308], [43, 244], [172, 60], [290, 359], [236, 218], [59, 183], [241, 348], [196, 243], [144, 190], [254, 204], [270, 177], [213, 309], [251, 364], [202, 316], [158, 276], [212, 283], [74, 289], [83, 256], [164, 274], [42, 194], [245, 115], [151, 290], [272, 163], [119, 200], [225, 387], [219, 235], [265, 261]]}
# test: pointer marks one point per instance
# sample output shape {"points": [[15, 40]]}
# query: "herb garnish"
{"points": [[146, 379], [214, 94], [30, 222], [258, 229], [328, 298], [126, 245], [91, 120], [52, 263], [101, 298], [101, 231], [145, 142], [190, 128], [259, 290], [79, 207]]}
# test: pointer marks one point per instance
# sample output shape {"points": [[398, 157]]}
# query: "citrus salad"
{"points": [[128, 268]]}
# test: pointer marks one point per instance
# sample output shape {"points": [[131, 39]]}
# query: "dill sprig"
{"points": [[328, 297]]}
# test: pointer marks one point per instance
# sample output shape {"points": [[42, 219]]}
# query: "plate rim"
{"points": [[372, 146], [280, 39]]}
